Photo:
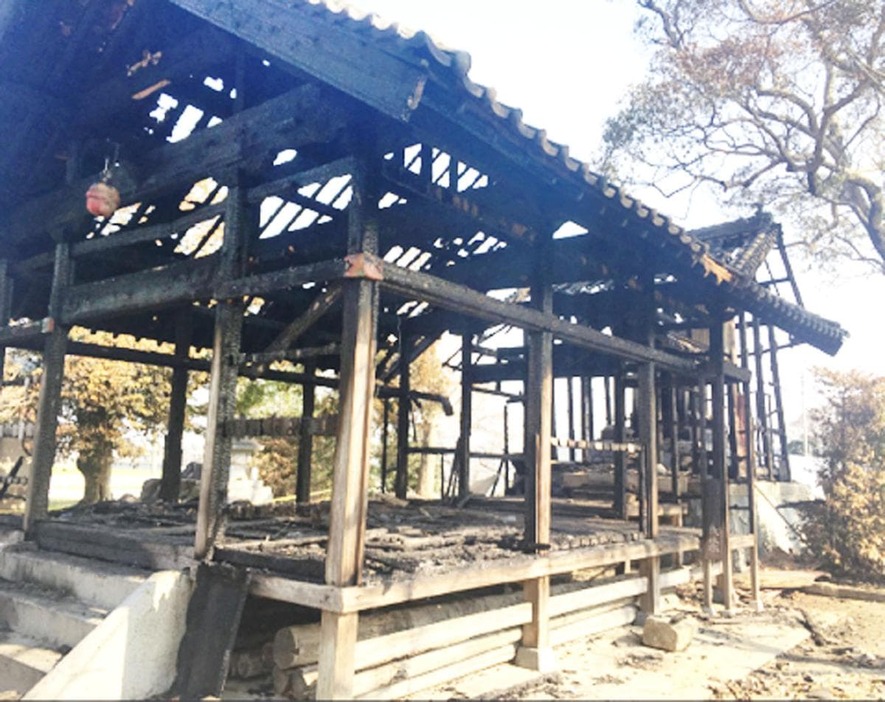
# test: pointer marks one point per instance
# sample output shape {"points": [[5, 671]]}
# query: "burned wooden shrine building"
{"points": [[302, 185]]}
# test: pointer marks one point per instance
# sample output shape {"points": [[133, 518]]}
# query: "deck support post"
{"points": [[587, 429], [223, 377], [463, 461], [749, 450], [650, 568], [784, 455], [538, 653], [404, 406], [350, 476], [5, 307], [761, 413], [620, 468], [707, 506], [305, 439], [720, 469], [170, 482], [49, 404]]}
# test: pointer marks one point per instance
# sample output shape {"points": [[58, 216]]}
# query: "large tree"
{"points": [[776, 103], [105, 406], [848, 529]]}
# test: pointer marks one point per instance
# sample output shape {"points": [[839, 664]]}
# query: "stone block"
{"points": [[668, 633]]}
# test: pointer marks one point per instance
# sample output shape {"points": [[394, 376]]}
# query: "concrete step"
{"points": [[104, 585], [23, 662], [47, 615]]}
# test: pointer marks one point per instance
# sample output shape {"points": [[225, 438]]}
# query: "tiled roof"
{"points": [[452, 68]]}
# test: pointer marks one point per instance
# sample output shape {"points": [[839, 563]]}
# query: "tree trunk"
{"points": [[95, 465]]}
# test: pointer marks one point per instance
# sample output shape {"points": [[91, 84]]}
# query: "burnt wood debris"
{"points": [[299, 183]]}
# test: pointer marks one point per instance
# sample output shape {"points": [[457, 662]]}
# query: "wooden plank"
{"points": [[372, 652], [314, 595], [213, 618], [597, 595], [413, 667], [323, 49], [516, 569], [459, 669], [104, 544], [738, 542], [593, 623]]}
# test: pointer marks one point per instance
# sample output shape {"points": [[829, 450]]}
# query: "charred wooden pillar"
{"points": [[587, 429], [223, 375], [404, 406], [674, 436], [49, 405], [570, 398], [708, 506], [761, 413], [620, 458], [749, 449], [5, 307], [385, 437], [784, 469], [305, 439], [350, 476], [720, 471], [170, 482], [536, 651], [650, 602], [463, 460], [734, 447]]}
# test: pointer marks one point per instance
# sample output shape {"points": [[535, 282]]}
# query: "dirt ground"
{"points": [[800, 646]]}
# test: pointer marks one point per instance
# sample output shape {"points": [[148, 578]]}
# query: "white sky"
{"points": [[566, 63]]}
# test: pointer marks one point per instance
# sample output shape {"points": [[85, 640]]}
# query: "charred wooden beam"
{"points": [[176, 283], [300, 426], [322, 304], [180, 59], [300, 116], [458, 297], [324, 50], [290, 354]]}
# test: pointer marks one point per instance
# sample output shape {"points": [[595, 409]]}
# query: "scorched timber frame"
{"points": [[303, 186]]}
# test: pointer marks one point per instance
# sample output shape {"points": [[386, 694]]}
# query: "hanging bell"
{"points": [[102, 198]]}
